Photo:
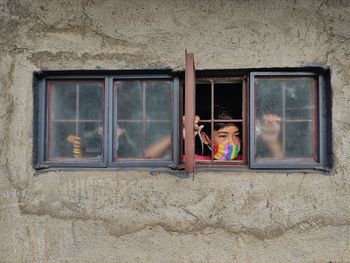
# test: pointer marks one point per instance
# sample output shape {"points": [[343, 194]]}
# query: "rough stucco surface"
{"points": [[160, 216]]}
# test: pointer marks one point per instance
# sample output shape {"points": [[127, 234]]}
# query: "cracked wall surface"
{"points": [[160, 215]]}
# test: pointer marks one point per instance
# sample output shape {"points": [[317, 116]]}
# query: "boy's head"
{"points": [[224, 132]]}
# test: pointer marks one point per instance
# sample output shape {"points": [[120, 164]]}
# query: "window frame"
{"points": [[174, 120], [322, 109], [244, 122], [40, 124], [320, 118]]}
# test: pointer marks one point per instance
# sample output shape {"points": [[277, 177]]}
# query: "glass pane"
{"points": [[269, 95], [300, 140], [143, 129], [128, 138], [203, 100], [62, 100], [70, 136], [91, 139], [284, 125], [90, 101], [158, 141], [299, 99], [59, 147], [157, 100], [129, 97]]}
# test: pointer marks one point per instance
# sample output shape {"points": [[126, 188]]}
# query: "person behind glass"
{"points": [[268, 136], [226, 140]]}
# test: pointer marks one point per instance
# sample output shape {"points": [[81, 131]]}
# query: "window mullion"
{"points": [[283, 119], [143, 117]]}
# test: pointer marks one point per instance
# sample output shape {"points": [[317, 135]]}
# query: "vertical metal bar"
{"points": [[284, 118], [212, 119], [143, 117], [322, 117], [175, 109], [105, 125], [77, 111], [315, 119], [189, 111], [42, 121], [112, 121], [252, 121], [47, 121], [244, 118]]}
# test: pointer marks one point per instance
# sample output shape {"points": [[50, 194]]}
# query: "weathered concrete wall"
{"points": [[143, 216]]}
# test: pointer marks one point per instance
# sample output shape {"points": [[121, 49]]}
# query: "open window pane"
{"points": [[228, 95], [285, 118], [142, 129], [75, 116], [203, 99], [219, 104]]}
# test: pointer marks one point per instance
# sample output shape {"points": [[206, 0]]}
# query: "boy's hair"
{"points": [[221, 113]]}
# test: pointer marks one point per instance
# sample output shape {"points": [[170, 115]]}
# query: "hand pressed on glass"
{"points": [[268, 130]]}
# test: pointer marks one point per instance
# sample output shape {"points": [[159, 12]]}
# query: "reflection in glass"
{"points": [[59, 147], [300, 140], [129, 140], [157, 99], [63, 100], [285, 111], [128, 95], [143, 111], [90, 101], [154, 134], [91, 139], [75, 120]]}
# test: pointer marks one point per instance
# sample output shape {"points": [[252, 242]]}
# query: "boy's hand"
{"points": [[197, 128]]}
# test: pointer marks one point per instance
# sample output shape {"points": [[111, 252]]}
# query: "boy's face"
{"points": [[227, 135]]}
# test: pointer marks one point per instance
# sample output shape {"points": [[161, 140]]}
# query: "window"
{"points": [[220, 104], [287, 120], [75, 120], [256, 119], [278, 121], [106, 121]]}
